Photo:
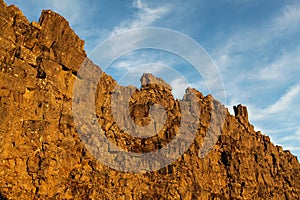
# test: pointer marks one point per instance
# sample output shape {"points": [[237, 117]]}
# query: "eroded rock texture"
{"points": [[43, 157]]}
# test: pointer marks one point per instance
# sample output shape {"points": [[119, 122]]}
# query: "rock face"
{"points": [[43, 157]]}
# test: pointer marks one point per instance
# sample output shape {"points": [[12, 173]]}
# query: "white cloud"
{"points": [[145, 16], [287, 104], [292, 148], [294, 137], [289, 20], [283, 68], [279, 131], [286, 101], [289, 138], [138, 58], [247, 39], [179, 86]]}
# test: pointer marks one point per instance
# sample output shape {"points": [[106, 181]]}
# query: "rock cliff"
{"points": [[43, 157]]}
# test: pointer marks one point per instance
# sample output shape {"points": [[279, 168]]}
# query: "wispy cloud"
{"points": [[290, 138], [281, 69], [145, 16], [287, 103], [292, 148], [246, 39], [289, 20], [179, 85]]}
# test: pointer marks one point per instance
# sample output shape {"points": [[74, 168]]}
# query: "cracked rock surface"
{"points": [[42, 155]]}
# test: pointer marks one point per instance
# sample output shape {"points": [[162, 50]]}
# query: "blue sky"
{"points": [[255, 45]]}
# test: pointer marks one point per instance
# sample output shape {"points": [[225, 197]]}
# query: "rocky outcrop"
{"points": [[43, 156]]}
